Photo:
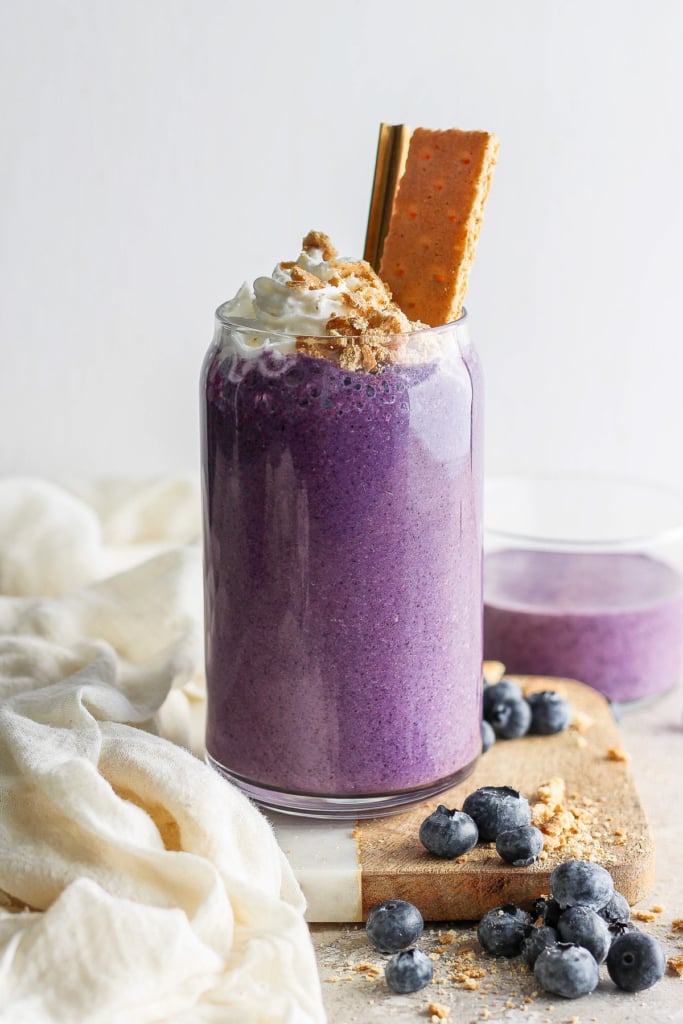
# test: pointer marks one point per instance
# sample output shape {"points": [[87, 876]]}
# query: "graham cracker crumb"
{"points": [[581, 722], [677, 924], [493, 671], [373, 334], [675, 965], [569, 824], [657, 908], [369, 969], [643, 915], [438, 1011], [302, 280], [552, 793], [373, 331], [319, 240], [616, 754], [467, 975], [447, 938]]}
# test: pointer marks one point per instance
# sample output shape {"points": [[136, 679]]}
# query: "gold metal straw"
{"points": [[392, 150]]}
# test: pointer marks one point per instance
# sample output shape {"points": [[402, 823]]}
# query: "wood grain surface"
{"points": [[609, 823]]}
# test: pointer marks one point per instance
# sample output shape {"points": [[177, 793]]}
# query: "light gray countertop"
{"points": [[351, 972]]}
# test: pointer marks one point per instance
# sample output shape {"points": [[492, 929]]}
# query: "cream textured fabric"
{"points": [[140, 886]]}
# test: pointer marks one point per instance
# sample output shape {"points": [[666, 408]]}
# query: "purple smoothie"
{"points": [[612, 620], [342, 524]]}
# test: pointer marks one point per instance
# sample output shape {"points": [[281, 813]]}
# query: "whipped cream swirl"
{"points": [[318, 295]]}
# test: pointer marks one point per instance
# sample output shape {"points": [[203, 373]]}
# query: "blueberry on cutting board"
{"points": [[495, 809], [448, 833]]}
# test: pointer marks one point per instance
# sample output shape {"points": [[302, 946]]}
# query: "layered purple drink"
{"points": [[343, 535]]}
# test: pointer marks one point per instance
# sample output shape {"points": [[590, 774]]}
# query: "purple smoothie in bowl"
{"points": [[343, 569], [599, 599]]}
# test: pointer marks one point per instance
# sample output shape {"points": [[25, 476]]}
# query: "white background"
{"points": [[155, 153]]}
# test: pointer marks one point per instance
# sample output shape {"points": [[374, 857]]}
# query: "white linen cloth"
{"points": [[138, 886]]}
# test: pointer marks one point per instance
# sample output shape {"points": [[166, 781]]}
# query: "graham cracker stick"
{"points": [[436, 220]]}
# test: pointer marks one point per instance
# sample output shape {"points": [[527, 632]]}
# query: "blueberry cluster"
{"points": [[508, 714], [581, 925], [393, 927], [491, 814]]}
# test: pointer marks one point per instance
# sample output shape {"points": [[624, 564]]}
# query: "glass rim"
{"points": [[247, 325], [668, 533]]}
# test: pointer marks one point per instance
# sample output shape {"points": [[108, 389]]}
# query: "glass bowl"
{"points": [[583, 579]]}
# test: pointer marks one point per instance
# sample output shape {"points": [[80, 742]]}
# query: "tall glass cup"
{"points": [[343, 569]]}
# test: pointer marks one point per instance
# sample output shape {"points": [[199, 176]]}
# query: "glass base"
{"points": [[624, 707], [338, 807]]}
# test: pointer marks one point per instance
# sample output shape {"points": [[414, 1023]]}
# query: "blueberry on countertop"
{"points": [[448, 833], [581, 882], [621, 927], [488, 736], [617, 911], [393, 925], [548, 909], [550, 713], [510, 718], [536, 941], [585, 928], [566, 970], [502, 930], [520, 846], [635, 961], [495, 809], [408, 971]]}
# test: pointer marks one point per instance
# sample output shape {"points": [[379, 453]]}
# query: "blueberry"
{"points": [[488, 736], [566, 970], [495, 809], [408, 971], [536, 941], [620, 927], [393, 925], [502, 930], [550, 713], [585, 928], [520, 846], [635, 961], [504, 690], [548, 909], [448, 833], [510, 718], [581, 881], [617, 911]]}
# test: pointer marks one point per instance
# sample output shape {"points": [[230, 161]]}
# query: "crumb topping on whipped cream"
{"points": [[326, 306]]}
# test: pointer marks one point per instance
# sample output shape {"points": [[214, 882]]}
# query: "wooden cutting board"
{"points": [[601, 818], [598, 786]]}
